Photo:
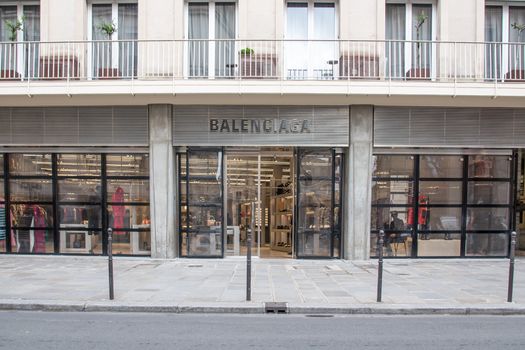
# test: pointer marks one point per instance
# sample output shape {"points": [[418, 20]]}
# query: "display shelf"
{"points": [[281, 228]]}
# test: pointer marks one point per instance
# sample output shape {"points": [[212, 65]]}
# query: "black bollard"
{"points": [[249, 255], [511, 266], [110, 263], [380, 243]]}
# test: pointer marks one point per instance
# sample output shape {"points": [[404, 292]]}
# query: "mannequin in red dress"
{"points": [[119, 211]]}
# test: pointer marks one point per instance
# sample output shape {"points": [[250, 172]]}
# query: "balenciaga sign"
{"points": [[258, 126], [218, 126]]}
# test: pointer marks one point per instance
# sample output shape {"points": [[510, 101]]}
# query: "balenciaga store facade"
{"points": [[181, 180], [287, 161]]}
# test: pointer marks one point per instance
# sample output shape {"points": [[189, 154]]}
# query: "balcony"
{"points": [[263, 66]]}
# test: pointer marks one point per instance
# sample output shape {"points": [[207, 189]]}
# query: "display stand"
{"points": [[139, 246], [281, 209], [75, 238]]}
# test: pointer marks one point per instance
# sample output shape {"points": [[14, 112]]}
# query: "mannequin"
{"points": [[119, 211]]}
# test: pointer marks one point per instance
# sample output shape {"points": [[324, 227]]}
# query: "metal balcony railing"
{"points": [[264, 59]]}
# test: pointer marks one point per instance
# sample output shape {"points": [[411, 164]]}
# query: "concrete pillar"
{"points": [[358, 199], [162, 189]]}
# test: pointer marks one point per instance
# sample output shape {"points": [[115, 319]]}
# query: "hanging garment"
{"points": [[119, 211], [2, 223], [39, 219]]}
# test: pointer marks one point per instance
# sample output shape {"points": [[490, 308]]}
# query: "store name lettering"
{"points": [[260, 126]]}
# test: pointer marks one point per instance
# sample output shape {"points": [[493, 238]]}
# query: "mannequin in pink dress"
{"points": [[119, 211]]}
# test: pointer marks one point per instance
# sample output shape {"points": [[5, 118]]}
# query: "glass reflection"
{"points": [[392, 192], [132, 242], [86, 216], [316, 164], [205, 243], [393, 166], [483, 166], [487, 219], [488, 192], [440, 192], [31, 190], [439, 244], [205, 191], [79, 190], [128, 190], [78, 164], [486, 244], [441, 166], [75, 239], [127, 164], [30, 164]]}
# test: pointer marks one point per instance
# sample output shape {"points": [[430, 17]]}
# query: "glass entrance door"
{"points": [[201, 203], [318, 203]]}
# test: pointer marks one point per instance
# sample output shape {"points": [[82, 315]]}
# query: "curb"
{"points": [[259, 308]]}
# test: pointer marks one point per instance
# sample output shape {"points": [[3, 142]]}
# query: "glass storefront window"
{"points": [[132, 242], [32, 215], [441, 166], [392, 192], [316, 164], [205, 191], [445, 213], [441, 219], [393, 166], [78, 165], [79, 190], [440, 192], [31, 190], [487, 244], [90, 216], [488, 192], [128, 217], [128, 191], [32, 240], [127, 164], [30, 164], [484, 219], [483, 166]]}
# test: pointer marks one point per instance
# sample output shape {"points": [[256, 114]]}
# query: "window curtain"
{"points": [[127, 35], [102, 55], [516, 40], [224, 49], [493, 35], [297, 52], [198, 31], [8, 52], [32, 34], [395, 34], [421, 35], [323, 55]]}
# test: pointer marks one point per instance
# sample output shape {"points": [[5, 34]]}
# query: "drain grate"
{"points": [[276, 308]]}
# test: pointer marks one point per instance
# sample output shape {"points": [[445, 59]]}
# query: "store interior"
{"points": [[263, 177]]}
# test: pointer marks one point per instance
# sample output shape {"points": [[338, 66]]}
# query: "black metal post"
{"points": [[249, 255], [380, 243], [511, 266], [110, 263]]}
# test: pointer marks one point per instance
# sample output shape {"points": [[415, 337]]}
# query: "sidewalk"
{"points": [[307, 286]]}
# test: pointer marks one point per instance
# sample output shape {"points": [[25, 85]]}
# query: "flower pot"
{"points": [[59, 67], [108, 73], [257, 66], [358, 66], [9, 74], [418, 74], [515, 75]]}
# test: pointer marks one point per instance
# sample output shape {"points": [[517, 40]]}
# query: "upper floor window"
{"points": [[306, 22], [412, 21], [211, 30], [19, 21], [504, 23], [111, 21]]}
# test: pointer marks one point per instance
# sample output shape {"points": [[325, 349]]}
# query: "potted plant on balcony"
{"points": [[419, 69], [8, 70], [256, 66], [516, 71], [105, 68]]}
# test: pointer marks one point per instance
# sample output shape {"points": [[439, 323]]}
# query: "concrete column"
{"points": [[162, 189], [358, 199]]}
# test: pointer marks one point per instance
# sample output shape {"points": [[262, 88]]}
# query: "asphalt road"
{"points": [[77, 331]]}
